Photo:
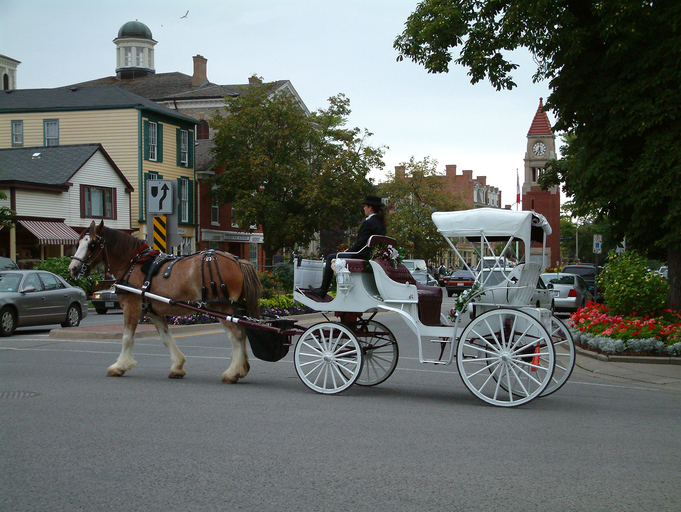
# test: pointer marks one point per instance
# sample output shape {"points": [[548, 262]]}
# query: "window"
{"points": [[184, 200], [98, 202], [152, 140], [140, 57], [215, 213], [202, 130], [17, 133], [51, 131], [253, 253], [128, 57], [536, 172], [50, 282], [234, 224], [184, 147]]}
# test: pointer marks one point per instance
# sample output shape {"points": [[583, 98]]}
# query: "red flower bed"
{"points": [[596, 319]]}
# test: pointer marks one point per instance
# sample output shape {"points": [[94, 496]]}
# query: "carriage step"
{"points": [[433, 361]]}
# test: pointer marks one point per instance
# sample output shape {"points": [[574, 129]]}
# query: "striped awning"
{"points": [[51, 232]]}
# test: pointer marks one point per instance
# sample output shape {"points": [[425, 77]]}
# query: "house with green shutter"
{"points": [[144, 139]]}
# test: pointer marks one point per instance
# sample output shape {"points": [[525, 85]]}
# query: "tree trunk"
{"points": [[674, 277]]}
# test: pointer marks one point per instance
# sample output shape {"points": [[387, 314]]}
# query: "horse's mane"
{"points": [[121, 243]]}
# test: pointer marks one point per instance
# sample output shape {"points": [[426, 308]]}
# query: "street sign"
{"points": [[598, 240], [160, 196], [160, 234]]}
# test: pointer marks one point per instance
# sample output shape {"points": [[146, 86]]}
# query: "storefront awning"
{"points": [[50, 232]]}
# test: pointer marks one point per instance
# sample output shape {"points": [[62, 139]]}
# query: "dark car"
{"points": [[7, 264], [459, 281], [104, 300], [587, 272], [37, 297]]}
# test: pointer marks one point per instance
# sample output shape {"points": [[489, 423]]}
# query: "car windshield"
{"points": [[582, 271], [559, 279], [9, 282]]}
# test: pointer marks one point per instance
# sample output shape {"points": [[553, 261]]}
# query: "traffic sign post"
{"points": [[598, 240]]}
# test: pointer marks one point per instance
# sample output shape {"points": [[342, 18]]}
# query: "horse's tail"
{"points": [[252, 288]]}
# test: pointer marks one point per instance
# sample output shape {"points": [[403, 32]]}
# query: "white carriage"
{"points": [[507, 355]]}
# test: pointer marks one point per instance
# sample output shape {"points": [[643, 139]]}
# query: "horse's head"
{"points": [[89, 250]]}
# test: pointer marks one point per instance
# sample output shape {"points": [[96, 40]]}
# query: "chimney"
{"points": [[199, 70]]}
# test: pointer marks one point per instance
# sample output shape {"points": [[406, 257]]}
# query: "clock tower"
{"points": [[541, 147]]}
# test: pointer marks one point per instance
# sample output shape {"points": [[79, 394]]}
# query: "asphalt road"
{"points": [[73, 439]]}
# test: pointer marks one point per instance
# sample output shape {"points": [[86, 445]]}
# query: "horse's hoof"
{"points": [[177, 374], [114, 373], [230, 380]]}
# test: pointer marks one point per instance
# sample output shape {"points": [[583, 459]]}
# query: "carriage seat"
{"points": [[429, 297], [360, 265]]}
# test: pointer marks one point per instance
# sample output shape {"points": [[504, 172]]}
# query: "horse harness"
{"points": [[152, 261]]}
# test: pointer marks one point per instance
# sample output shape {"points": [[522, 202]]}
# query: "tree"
{"points": [[614, 73], [287, 171], [416, 197]]}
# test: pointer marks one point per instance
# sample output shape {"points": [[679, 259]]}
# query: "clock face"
{"points": [[539, 148]]}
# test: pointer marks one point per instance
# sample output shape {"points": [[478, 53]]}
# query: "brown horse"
{"points": [[196, 278]]}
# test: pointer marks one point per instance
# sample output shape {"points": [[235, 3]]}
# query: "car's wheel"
{"points": [[101, 311], [449, 293], [8, 321], [72, 317]]}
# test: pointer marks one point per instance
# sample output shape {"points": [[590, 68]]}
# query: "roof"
{"points": [[493, 223], [82, 98], [134, 29], [169, 86], [540, 124], [204, 159], [51, 166]]}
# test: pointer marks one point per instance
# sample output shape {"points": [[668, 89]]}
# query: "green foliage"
{"points": [[60, 266], [277, 302], [288, 171], [283, 272], [416, 197], [5, 213], [630, 288], [270, 284], [614, 75]]}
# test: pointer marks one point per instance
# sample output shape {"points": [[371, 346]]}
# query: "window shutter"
{"points": [[159, 142], [190, 197], [190, 149], [178, 145], [146, 140]]}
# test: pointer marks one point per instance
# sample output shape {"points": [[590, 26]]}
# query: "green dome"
{"points": [[135, 29]]}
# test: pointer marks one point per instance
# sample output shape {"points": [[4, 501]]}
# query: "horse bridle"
{"points": [[93, 244]]}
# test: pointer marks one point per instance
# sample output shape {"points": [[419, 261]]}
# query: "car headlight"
{"points": [[96, 296]]}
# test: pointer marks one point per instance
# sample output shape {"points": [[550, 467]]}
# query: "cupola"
{"points": [[134, 51]]}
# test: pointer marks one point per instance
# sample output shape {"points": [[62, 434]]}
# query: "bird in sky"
{"points": [[185, 15]]}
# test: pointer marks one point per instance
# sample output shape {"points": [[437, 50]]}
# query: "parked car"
{"points": [[459, 281], [570, 292], [104, 300], [37, 297], [664, 272], [418, 269], [542, 297], [7, 264], [587, 272]]}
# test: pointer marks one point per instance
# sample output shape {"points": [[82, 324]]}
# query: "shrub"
{"points": [[270, 284], [629, 288], [284, 274], [60, 266]]}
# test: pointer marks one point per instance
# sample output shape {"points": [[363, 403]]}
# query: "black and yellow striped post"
{"points": [[161, 233]]}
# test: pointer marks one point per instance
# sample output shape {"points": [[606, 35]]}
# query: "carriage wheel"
{"points": [[379, 350], [328, 358], [502, 350], [564, 346]]}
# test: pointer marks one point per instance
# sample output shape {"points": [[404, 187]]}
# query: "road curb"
{"points": [[628, 359]]}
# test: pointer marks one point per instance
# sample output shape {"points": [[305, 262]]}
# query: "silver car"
{"points": [[37, 297], [570, 291]]}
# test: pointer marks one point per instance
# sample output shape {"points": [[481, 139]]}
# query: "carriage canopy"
{"points": [[494, 224]]}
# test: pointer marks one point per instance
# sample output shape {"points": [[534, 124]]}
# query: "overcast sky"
{"points": [[323, 47]]}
